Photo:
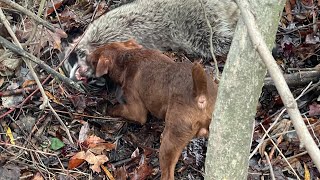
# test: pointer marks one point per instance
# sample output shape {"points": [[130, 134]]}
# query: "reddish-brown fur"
{"points": [[180, 93]]}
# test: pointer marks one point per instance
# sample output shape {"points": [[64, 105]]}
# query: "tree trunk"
{"points": [[239, 91]]}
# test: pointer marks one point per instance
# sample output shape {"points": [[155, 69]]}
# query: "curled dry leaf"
{"points": [[92, 140], [83, 132], [96, 161], [97, 145], [77, 160]]}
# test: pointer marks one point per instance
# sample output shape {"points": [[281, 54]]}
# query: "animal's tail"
{"points": [[200, 89]]}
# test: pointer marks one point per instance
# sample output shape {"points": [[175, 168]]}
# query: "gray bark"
{"points": [[239, 91]]}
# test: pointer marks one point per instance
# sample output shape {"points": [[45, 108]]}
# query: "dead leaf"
{"points": [[50, 7], [135, 153], [52, 98], [1, 81], [42, 37], [77, 160], [96, 161], [99, 148], [28, 83], [143, 171], [79, 102], [8, 63], [92, 140], [37, 176], [10, 135], [83, 132], [121, 173], [9, 172]]}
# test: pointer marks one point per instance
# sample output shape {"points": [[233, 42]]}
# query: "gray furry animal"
{"points": [[177, 25]]}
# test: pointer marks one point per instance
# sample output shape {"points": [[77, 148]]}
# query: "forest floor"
{"points": [[35, 145]]}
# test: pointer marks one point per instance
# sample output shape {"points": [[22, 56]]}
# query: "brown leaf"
{"points": [[99, 148], [121, 173], [42, 37], [142, 172], [79, 102], [56, 5], [37, 176], [28, 83], [96, 161], [77, 160], [51, 97], [92, 140]]}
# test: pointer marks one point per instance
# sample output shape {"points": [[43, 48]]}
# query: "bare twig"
{"points": [[270, 166], [280, 82], [211, 44], [281, 154], [265, 134], [36, 151]]}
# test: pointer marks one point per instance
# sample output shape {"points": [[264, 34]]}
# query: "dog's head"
{"points": [[97, 63]]}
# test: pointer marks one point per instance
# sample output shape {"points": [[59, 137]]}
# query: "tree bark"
{"points": [[239, 91]]}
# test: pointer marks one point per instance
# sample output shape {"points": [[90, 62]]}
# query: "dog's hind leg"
{"points": [[178, 131]]}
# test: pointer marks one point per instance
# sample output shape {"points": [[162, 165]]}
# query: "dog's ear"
{"points": [[103, 66], [131, 44]]}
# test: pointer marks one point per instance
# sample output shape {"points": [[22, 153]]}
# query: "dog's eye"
{"points": [[81, 53]]}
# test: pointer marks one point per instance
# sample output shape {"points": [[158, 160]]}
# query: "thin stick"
{"points": [[44, 66], [282, 87], [210, 41], [270, 166], [281, 154]]}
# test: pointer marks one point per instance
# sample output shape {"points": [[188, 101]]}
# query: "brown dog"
{"points": [[180, 93]]}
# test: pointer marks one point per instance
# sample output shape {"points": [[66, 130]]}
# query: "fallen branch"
{"points": [[280, 82], [43, 65], [296, 79]]}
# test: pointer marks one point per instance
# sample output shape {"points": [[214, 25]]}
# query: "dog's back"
{"points": [[159, 81]]}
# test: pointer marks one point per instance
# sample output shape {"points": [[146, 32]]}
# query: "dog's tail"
{"points": [[200, 89]]}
